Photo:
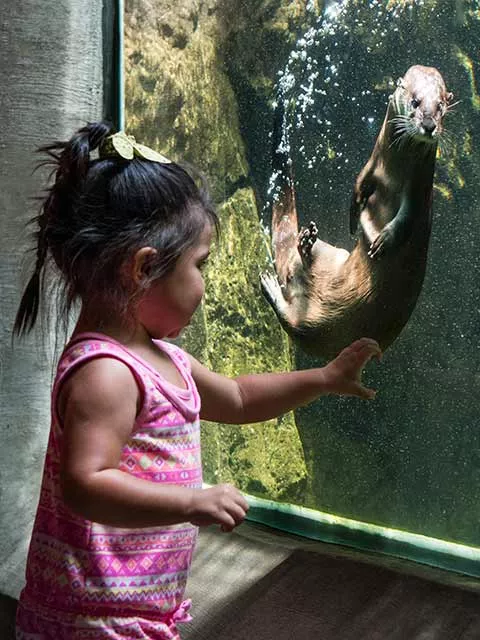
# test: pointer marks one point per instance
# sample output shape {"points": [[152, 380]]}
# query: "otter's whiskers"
{"points": [[404, 130]]}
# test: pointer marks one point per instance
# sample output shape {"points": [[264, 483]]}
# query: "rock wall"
{"points": [[180, 98]]}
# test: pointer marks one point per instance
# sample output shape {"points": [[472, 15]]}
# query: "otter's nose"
{"points": [[429, 124]]}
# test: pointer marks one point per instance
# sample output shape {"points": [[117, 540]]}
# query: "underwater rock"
{"points": [[265, 458], [180, 101]]}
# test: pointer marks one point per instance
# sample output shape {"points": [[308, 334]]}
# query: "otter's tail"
{"points": [[284, 211]]}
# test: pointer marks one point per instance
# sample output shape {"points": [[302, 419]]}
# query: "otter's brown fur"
{"points": [[326, 297]]}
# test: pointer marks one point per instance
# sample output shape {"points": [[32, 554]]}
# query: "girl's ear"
{"points": [[141, 265]]}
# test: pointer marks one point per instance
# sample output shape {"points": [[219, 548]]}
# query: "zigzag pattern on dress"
{"points": [[170, 443]]}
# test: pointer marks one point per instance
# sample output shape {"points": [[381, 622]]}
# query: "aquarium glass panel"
{"points": [[275, 99]]}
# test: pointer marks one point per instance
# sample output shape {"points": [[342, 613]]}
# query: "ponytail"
{"points": [[70, 162], [28, 310]]}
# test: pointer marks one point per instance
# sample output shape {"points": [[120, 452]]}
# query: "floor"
{"points": [[261, 584]]}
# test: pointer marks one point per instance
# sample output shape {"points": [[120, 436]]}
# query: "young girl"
{"points": [[122, 497]]}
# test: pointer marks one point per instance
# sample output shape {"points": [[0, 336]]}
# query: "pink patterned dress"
{"points": [[87, 581]]}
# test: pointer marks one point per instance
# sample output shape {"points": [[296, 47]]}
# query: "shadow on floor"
{"points": [[311, 596]]}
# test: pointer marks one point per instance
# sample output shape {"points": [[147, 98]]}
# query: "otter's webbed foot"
{"points": [[272, 291], [306, 239], [382, 243]]}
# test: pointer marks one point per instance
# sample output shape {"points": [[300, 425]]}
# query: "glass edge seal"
{"points": [[329, 528]]}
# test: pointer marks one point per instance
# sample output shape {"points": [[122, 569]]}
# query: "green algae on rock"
{"points": [[180, 101], [265, 458]]}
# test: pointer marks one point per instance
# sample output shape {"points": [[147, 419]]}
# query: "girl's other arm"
{"points": [[98, 405], [258, 397]]}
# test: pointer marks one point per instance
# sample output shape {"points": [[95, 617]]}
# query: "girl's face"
{"points": [[168, 305]]}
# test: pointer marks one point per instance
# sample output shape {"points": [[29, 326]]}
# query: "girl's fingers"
{"points": [[367, 345], [349, 364], [242, 503], [227, 523], [238, 514], [363, 342], [364, 346], [366, 393], [364, 350], [233, 518], [367, 354], [360, 391]]}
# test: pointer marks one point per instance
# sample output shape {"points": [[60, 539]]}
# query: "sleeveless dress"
{"points": [[87, 581]]}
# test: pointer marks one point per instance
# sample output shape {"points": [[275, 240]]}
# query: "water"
{"points": [[336, 84], [410, 459]]}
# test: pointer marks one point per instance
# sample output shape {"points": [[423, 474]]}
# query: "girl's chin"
{"points": [[163, 335], [173, 334]]}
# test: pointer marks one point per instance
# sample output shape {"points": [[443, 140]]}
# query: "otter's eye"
{"points": [[415, 103], [441, 107]]}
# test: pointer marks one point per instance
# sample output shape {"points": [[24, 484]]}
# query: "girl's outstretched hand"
{"points": [[343, 375]]}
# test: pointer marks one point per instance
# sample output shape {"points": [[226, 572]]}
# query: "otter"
{"points": [[326, 297]]}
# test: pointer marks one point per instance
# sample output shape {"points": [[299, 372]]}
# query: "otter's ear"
{"points": [[400, 82], [449, 96]]}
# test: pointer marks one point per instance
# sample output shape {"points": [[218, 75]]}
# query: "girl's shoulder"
{"points": [[94, 373], [84, 352], [85, 347]]}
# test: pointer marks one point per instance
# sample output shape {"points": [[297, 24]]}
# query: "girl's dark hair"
{"points": [[99, 212]]}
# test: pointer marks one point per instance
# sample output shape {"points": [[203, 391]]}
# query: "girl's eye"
{"points": [[202, 264]]}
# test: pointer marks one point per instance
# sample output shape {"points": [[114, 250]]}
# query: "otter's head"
{"points": [[418, 106]]}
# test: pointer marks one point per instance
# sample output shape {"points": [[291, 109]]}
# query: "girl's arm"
{"points": [[98, 405], [258, 397]]}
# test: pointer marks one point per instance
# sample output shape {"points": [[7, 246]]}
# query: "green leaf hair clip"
{"points": [[119, 145]]}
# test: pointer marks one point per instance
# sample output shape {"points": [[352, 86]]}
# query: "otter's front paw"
{"points": [[306, 240], [382, 243]]}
